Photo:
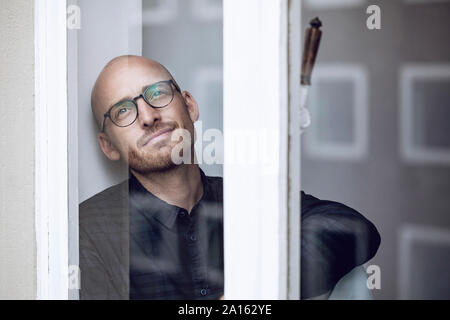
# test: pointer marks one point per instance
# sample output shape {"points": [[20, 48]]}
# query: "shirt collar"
{"points": [[151, 206]]}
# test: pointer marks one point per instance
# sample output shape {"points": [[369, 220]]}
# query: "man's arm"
{"points": [[104, 245], [334, 239], [94, 280]]}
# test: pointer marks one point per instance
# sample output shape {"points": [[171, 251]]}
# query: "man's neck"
{"points": [[181, 186]]}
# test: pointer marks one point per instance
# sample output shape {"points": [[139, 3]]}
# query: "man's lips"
{"points": [[156, 134]]}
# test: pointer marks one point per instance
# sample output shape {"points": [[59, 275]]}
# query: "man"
{"points": [[159, 234]]}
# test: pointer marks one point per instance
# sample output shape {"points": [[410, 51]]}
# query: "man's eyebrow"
{"points": [[152, 84], [149, 85]]}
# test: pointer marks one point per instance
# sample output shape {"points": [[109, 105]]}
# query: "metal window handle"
{"points": [[305, 116], [311, 47]]}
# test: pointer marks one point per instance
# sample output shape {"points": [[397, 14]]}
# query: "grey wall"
{"points": [[17, 232], [382, 184]]}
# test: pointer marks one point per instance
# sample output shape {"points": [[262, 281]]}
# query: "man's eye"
{"points": [[156, 94], [121, 112]]}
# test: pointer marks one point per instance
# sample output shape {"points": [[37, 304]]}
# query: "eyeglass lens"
{"points": [[157, 95]]}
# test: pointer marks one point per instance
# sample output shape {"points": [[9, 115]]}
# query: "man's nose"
{"points": [[147, 114]]}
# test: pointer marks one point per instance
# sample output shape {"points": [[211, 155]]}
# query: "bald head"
{"points": [[124, 77]]}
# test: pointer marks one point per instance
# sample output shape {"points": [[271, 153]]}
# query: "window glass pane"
{"points": [[150, 213]]}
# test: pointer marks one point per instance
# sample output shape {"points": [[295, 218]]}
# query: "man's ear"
{"points": [[108, 147], [192, 106]]}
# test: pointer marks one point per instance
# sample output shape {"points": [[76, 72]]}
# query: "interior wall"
{"points": [[109, 28], [17, 143]]}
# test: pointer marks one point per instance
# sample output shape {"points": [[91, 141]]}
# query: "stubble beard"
{"points": [[158, 158], [146, 162]]}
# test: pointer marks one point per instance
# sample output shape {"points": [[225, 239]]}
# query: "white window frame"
{"points": [[51, 162], [292, 225], [261, 210], [72, 156]]}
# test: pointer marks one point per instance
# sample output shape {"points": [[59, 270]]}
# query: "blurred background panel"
{"points": [[380, 134], [186, 37], [109, 28]]}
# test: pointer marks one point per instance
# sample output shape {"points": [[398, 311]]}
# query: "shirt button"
{"points": [[203, 292], [193, 237], [182, 214]]}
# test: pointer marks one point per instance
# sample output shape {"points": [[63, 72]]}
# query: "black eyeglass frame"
{"points": [[142, 95]]}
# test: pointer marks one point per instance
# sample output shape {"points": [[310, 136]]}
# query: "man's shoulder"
{"points": [[336, 219], [109, 202], [215, 179], [311, 204], [114, 193]]}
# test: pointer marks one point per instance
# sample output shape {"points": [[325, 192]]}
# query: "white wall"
{"points": [[17, 232], [109, 28]]}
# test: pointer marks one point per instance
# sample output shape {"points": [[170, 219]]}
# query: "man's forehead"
{"points": [[134, 64], [131, 74], [126, 79]]}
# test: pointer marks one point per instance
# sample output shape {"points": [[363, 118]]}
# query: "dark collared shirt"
{"points": [[135, 245], [175, 254]]}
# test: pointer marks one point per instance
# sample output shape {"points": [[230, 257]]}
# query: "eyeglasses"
{"points": [[157, 95]]}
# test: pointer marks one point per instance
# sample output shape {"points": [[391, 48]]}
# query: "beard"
{"points": [[156, 157], [145, 162]]}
